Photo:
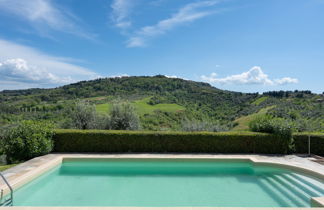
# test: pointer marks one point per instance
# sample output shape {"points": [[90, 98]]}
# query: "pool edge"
{"points": [[40, 165], [154, 208]]}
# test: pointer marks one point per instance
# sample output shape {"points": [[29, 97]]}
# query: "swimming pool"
{"points": [[169, 183]]}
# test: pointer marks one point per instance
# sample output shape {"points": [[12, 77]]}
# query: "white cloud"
{"points": [[186, 14], [44, 15], [29, 67], [136, 42], [286, 80], [172, 76], [19, 70], [119, 76], [176, 77], [120, 14], [254, 76]]}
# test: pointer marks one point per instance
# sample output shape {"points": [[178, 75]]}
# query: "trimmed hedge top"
{"points": [[130, 132], [107, 141]]}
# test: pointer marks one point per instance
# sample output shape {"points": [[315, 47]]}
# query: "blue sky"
{"points": [[240, 45]]}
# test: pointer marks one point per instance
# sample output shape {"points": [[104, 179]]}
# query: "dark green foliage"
{"points": [[281, 93], [123, 117], [27, 140], [316, 143], [157, 100], [94, 141]]}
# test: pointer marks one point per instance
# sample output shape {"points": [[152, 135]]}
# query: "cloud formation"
{"points": [[286, 80], [186, 14], [43, 15], [25, 67], [119, 76], [19, 70], [172, 76], [120, 13], [254, 76]]}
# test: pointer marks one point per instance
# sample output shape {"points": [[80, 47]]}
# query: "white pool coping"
{"points": [[29, 170]]}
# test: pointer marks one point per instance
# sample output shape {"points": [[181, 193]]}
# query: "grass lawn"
{"points": [[243, 122], [5, 167], [103, 108], [143, 108], [260, 100]]}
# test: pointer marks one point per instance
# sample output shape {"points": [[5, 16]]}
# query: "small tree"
{"points": [[103, 122], [27, 140], [274, 125], [269, 124], [84, 116], [124, 117]]}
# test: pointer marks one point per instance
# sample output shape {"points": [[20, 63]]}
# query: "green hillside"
{"points": [[164, 103], [142, 107], [243, 122]]}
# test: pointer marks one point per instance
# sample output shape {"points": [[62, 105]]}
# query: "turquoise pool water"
{"points": [[159, 183]]}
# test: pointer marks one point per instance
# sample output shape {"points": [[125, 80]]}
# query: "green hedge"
{"points": [[316, 143], [98, 141]]}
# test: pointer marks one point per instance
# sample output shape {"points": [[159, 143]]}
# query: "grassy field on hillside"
{"points": [[103, 108], [260, 100], [142, 107], [243, 122]]}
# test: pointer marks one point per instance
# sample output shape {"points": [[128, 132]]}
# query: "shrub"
{"points": [[2, 136], [95, 141], [103, 122], [268, 124], [123, 117], [84, 116], [278, 126], [27, 140], [261, 124]]}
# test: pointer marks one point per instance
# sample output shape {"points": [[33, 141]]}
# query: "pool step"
{"points": [[315, 185], [275, 193], [305, 186], [290, 196], [7, 202], [4, 201], [295, 188]]}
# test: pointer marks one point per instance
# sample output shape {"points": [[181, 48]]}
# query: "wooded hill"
{"points": [[165, 103]]}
